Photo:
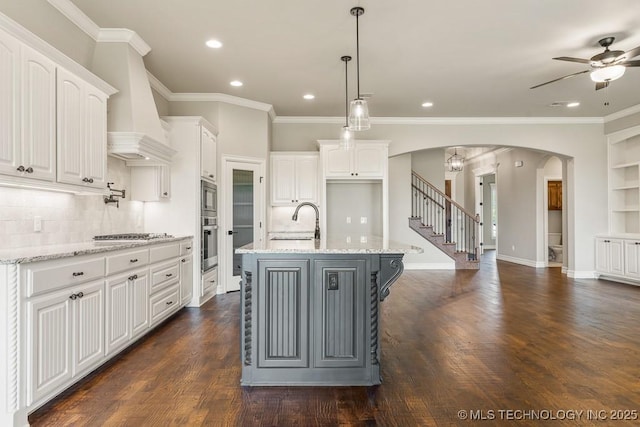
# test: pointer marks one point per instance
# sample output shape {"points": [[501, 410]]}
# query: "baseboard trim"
{"points": [[489, 246], [581, 274], [521, 261], [430, 266]]}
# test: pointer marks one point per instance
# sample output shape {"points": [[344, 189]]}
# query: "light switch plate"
{"points": [[363, 220], [37, 223]]}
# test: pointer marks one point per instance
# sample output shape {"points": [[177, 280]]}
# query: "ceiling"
{"points": [[470, 58]]}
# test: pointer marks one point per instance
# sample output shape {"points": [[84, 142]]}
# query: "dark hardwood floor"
{"points": [[508, 343]]}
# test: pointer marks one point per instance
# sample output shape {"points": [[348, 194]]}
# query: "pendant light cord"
{"points": [[346, 92], [358, 53]]}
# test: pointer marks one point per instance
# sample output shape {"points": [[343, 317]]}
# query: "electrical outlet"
{"points": [[363, 220], [37, 223], [348, 220], [348, 239], [363, 239]]}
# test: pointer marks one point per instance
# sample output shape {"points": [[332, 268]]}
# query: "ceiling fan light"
{"points": [[359, 115], [346, 138], [607, 74]]}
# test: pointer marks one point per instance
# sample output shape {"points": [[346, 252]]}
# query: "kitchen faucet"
{"points": [[316, 234]]}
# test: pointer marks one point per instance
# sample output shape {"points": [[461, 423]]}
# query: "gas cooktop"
{"points": [[131, 237]]}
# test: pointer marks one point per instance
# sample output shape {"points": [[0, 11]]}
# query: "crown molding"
{"points": [[622, 113], [124, 35], [223, 97], [445, 120], [78, 17], [159, 87]]}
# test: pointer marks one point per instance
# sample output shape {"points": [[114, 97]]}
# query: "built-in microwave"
{"points": [[209, 202]]}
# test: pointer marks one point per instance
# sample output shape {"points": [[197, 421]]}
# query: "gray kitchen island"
{"points": [[310, 310]]}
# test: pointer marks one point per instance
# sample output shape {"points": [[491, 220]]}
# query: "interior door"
{"points": [[243, 217]]}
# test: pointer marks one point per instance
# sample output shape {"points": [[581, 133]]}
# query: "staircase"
{"points": [[444, 223]]}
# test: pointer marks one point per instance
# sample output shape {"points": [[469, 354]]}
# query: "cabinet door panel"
{"points": [[283, 180], [616, 260], [139, 304], [283, 310], [339, 305], [208, 155], [602, 255], [71, 146], [88, 337], [96, 137], [337, 162], [632, 258], [369, 161], [50, 343], [38, 115], [10, 155], [306, 179], [186, 279], [117, 310]]}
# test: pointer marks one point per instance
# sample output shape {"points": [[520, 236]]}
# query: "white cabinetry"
{"points": [[208, 156], [28, 111], [367, 160], [150, 183], [609, 256], [210, 282], [294, 178], [82, 132], [632, 259], [186, 272], [67, 336]]}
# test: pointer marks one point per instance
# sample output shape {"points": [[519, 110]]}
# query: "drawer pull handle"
{"points": [[133, 260], [169, 302], [73, 296], [169, 274], [78, 273], [87, 180], [134, 277]]}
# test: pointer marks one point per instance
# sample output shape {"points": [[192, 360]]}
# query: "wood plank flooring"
{"points": [[508, 344]]}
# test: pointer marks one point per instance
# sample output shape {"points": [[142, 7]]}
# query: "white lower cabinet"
{"points": [[127, 308], [80, 311], [210, 281], [609, 256], [632, 259], [66, 337], [186, 279]]}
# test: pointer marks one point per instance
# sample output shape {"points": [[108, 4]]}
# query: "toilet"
{"points": [[555, 247]]}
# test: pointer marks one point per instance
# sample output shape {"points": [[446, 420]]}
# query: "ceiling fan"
{"points": [[605, 67]]}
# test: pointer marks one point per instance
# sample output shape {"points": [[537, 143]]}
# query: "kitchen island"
{"points": [[310, 309]]}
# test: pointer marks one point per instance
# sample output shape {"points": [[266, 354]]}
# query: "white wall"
{"points": [[66, 218], [586, 171], [429, 164]]}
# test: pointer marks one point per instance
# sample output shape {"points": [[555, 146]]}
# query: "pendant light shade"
{"points": [[359, 111], [455, 163], [346, 136]]}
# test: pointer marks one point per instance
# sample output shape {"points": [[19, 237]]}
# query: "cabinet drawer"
{"points": [[162, 252], [126, 261], [164, 274], [51, 275], [186, 248], [164, 303]]}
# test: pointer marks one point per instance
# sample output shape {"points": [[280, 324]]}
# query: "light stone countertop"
{"points": [[47, 252], [372, 245]]}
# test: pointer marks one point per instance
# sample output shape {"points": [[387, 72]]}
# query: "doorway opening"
{"points": [[553, 213], [242, 217]]}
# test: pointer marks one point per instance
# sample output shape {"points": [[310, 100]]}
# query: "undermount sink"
{"points": [[291, 238]]}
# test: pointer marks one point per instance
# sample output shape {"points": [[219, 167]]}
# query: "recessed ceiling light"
{"points": [[573, 104], [236, 83], [309, 96], [427, 104], [214, 44]]}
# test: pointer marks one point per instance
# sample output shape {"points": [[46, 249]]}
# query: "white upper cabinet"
{"points": [[366, 160], [82, 132], [208, 148], [27, 109], [294, 178]]}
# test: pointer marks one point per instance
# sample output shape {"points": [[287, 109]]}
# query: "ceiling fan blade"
{"points": [[568, 58], [560, 78], [634, 63], [629, 54], [601, 85]]}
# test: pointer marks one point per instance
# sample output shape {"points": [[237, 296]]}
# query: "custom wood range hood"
{"points": [[135, 132]]}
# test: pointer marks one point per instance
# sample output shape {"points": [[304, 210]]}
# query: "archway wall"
{"points": [[582, 144]]}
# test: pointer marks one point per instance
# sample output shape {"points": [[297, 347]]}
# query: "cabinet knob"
{"points": [[184, 260], [20, 168], [80, 294], [188, 248], [165, 194], [29, 170], [73, 296], [351, 173], [134, 277], [78, 273], [210, 176], [356, 173]]}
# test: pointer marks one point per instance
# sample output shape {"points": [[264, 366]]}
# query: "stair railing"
{"points": [[448, 218]]}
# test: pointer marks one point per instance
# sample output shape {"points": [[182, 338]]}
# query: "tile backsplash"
{"points": [[66, 218]]}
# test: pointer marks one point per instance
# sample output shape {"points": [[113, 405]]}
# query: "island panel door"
{"points": [[339, 308], [283, 311]]}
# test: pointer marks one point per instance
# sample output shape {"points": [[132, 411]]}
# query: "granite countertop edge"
{"points": [[49, 252]]}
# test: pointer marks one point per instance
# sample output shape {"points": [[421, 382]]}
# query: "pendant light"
{"points": [[359, 112], [455, 163], [346, 136]]}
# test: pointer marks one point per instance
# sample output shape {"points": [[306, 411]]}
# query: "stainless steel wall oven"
{"points": [[209, 227]]}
